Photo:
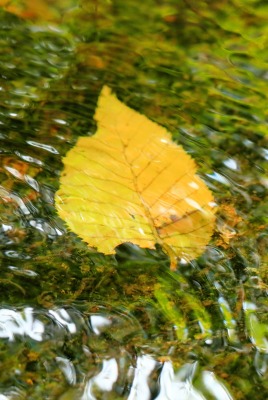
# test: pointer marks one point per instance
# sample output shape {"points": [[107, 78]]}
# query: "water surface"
{"points": [[75, 324]]}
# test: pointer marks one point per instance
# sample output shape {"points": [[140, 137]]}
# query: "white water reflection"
{"points": [[63, 319], [214, 387], [178, 386], [99, 323], [231, 163], [22, 323], [172, 385], [140, 389], [67, 367], [103, 381], [219, 178], [43, 146], [13, 394]]}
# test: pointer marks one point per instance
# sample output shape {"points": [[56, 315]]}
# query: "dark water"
{"points": [[75, 324]]}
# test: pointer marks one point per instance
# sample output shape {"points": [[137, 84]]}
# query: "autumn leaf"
{"points": [[131, 183]]}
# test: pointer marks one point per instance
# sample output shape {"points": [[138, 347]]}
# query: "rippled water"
{"points": [[75, 324]]}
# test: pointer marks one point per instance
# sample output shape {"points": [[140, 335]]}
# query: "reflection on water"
{"points": [[75, 324], [133, 377]]}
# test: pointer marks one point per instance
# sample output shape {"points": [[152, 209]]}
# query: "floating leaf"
{"points": [[130, 183]]}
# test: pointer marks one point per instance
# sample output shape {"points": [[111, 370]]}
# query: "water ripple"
{"points": [[134, 377], [75, 324]]}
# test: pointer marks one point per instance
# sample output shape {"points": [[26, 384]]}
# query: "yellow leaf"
{"points": [[130, 183]]}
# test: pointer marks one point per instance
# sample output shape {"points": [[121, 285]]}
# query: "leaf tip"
{"points": [[106, 91]]}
